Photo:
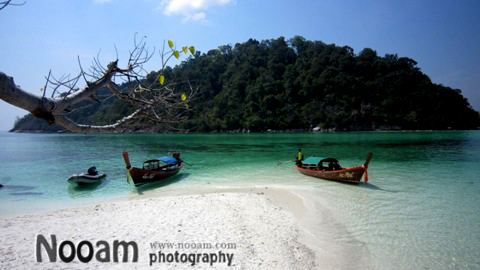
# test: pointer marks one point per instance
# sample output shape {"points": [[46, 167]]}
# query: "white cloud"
{"points": [[200, 16], [191, 10]]}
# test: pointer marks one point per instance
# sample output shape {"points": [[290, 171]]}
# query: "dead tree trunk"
{"points": [[53, 110]]}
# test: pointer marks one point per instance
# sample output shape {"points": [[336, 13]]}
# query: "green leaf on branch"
{"points": [[176, 54]]}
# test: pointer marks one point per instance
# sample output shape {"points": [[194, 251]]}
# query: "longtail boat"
{"points": [[317, 167], [153, 170]]}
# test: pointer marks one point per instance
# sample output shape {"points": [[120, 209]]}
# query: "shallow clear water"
{"points": [[420, 209]]}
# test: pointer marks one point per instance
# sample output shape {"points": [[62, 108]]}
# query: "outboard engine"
{"points": [[92, 170]]}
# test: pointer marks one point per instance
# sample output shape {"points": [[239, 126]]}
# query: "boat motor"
{"points": [[92, 170]]}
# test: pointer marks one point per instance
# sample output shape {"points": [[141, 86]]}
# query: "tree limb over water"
{"points": [[158, 101], [4, 4]]}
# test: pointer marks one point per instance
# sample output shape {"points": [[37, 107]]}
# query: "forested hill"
{"points": [[299, 84]]}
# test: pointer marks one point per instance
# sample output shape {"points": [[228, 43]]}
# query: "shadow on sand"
{"points": [[162, 183], [364, 185], [374, 187]]}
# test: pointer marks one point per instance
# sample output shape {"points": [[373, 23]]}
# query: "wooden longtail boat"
{"points": [[153, 170], [314, 166]]}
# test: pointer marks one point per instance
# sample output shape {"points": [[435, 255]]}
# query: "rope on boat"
{"points": [[128, 176], [369, 157], [365, 178], [129, 166]]}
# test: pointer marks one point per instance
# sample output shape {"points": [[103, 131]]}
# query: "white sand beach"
{"points": [[262, 227]]}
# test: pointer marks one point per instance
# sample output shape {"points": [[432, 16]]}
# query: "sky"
{"points": [[39, 36]]}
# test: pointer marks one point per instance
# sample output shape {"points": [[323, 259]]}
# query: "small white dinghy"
{"points": [[92, 177]]}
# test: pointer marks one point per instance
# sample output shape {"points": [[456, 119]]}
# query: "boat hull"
{"points": [[86, 179], [142, 177], [349, 175]]}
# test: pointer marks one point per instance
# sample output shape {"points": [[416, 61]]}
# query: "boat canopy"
{"points": [[166, 159], [317, 160]]}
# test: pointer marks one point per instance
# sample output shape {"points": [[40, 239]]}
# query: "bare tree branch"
{"points": [[3, 4], [157, 102]]}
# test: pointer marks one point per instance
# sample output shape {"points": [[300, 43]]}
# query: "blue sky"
{"points": [[442, 36]]}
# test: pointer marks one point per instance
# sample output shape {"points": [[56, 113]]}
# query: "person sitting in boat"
{"points": [[330, 166], [299, 158], [176, 155], [336, 166], [333, 166], [320, 166], [92, 170]]}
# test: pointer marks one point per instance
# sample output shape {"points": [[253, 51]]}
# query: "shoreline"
{"points": [[263, 222], [270, 131]]}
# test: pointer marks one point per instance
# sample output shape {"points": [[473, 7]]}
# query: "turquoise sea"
{"points": [[420, 209]]}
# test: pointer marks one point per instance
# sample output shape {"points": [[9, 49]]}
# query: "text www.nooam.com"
{"points": [[192, 258]]}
